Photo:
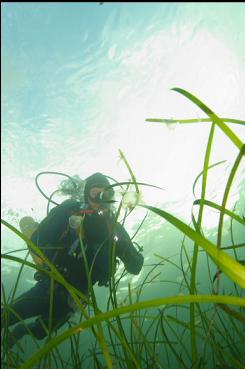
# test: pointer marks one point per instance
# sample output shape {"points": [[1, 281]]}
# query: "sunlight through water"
{"points": [[80, 82]]}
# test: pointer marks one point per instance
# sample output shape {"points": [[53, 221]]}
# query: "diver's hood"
{"points": [[96, 180]]}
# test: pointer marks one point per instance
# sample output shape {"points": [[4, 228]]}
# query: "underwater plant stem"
{"points": [[220, 227], [222, 210], [130, 170], [224, 201], [112, 285], [225, 262], [142, 222], [195, 252], [200, 174], [99, 335], [51, 306], [228, 132], [19, 275], [226, 193], [127, 309], [198, 120], [233, 313]]}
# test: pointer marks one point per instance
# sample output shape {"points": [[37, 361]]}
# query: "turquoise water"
{"points": [[78, 82]]}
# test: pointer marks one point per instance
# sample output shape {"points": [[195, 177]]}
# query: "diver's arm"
{"points": [[125, 250], [52, 228]]}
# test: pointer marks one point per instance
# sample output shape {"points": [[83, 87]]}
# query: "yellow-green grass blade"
{"points": [[227, 190], [220, 208], [195, 252], [198, 120], [213, 299], [228, 132], [130, 170], [200, 174], [225, 262]]}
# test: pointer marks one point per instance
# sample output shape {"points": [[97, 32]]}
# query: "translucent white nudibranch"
{"points": [[131, 199]]}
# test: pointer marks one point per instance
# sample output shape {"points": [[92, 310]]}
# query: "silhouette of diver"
{"points": [[58, 237]]}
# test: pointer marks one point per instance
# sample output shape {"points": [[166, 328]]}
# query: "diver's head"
{"points": [[95, 192]]}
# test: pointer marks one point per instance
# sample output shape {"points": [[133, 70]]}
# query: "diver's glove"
{"points": [[41, 276], [38, 276], [133, 260]]}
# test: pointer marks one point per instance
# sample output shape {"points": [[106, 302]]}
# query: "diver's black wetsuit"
{"points": [[60, 243]]}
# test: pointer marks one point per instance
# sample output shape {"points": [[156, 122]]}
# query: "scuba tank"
{"points": [[28, 226]]}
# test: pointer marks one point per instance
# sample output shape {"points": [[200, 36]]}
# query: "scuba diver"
{"points": [[59, 236]]}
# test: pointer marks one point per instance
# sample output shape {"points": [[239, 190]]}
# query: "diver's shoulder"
{"points": [[70, 204]]}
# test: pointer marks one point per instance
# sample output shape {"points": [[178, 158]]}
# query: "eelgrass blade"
{"points": [[196, 245], [18, 277], [227, 190], [61, 361], [213, 344], [148, 348], [216, 120], [233, 246], [51, 306], [130, 170], [198, 120], [233, 313], [100, 333], [225, 262], [183, 248], [228, 338], [128, 183], [171, 346], [200, 174], [228, 132], [220, 208], [112, 286], [54, 342], [129, 354], [139, 227]]}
